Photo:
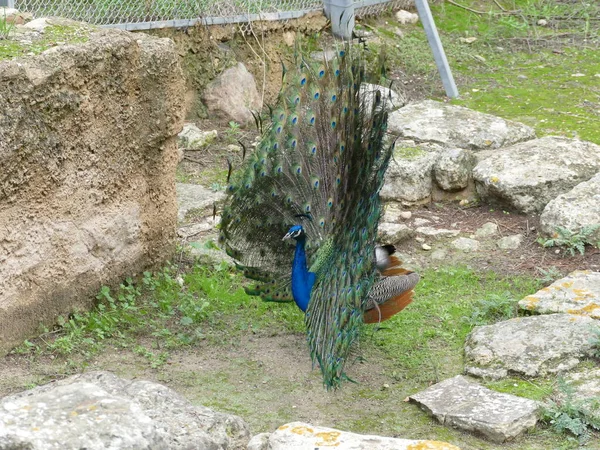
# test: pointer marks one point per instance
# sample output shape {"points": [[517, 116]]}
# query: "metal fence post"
{"points": [[326, 9], [436, 47], [341, 15], [7, 3]]}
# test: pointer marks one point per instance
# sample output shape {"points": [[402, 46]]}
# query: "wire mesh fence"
{"points": [[111, 12], [143, 14]]}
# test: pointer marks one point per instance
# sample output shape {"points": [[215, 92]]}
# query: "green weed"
{"points": [[567, 414], [494, 308], [5, 26], [572, 241]]}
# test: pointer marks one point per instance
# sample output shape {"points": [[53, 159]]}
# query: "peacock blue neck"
{"points": [[302, 279]]}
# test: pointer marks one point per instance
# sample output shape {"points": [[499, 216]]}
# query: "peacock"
{"points": [[303, 212]]}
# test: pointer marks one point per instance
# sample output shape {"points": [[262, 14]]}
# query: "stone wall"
{"points": [[87, 163]]}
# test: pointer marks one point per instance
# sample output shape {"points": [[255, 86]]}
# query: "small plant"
{"points": [[232, 134], [549, 275], [494, 308], [5, 26], [567, 414], [572, 241]]}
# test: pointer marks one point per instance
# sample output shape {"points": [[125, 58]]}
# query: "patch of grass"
{"points": [[426, 339], [494, 308], [408, 153], [170, 309], [53, 35], [537, 389]]}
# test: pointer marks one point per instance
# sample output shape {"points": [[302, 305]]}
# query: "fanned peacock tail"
{"points": [[320, 162]]}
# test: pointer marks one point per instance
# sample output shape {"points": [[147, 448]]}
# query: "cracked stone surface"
{"points": [[304, 436], [195, 197], [98, 410], [529, 346], [577, 293], [527, 176], [455, 126], [460, 403]]}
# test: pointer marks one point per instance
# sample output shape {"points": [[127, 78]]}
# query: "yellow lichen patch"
{"points": [[432, 445], [494, 179], [588, 310], [302, 430], [546, 289], [74, 414], [582, 293], [328, 439], [531, 302], [283, 427], [567, 284]]}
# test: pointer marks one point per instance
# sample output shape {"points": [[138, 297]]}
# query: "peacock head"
{"points": [[296, 232]]}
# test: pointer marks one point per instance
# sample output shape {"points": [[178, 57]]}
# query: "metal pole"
{"points": [[436, 47], [341, 15]]}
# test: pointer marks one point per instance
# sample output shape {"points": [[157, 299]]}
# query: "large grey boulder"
{"points": [[452, 170], [530, 346], [527, 176], [577, 293], [455, 126], [232, 95], [98, 410], [459, 403], [303, 436], [575, 210], [409, 176]]}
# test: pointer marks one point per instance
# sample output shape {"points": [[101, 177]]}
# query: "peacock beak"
{"points": [[287, 236]]}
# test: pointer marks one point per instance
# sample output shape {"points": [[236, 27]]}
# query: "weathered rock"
{"points": [[194, 229], [193, 138], [409, 175], [530, 346], [303, 436], [459, 403], [14, 16], [88, 156], [232, 95], [195, 197], [575, 210], [526, 176], [583, 391], [394, 232], [452, 170], [455, 126], [465, 244], [98, 410], [393, 213], [577, 293], [393, 99], [437, 233], [404, 17], [421, 221], [439, 254], [487, 229], [511, 242], [209, 254]]}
